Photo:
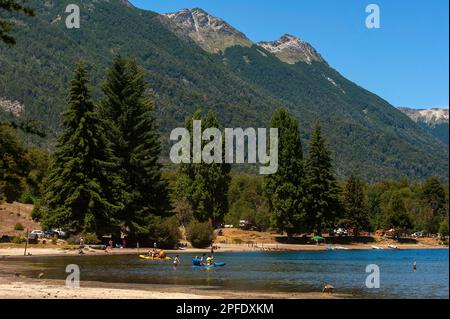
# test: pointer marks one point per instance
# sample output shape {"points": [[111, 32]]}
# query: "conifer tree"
{"points": [[434, 201], [355, 204], [14, 165], [128, 114], [285, 189], [323, 206], [83, 194], [205, 186], [396, 215]]}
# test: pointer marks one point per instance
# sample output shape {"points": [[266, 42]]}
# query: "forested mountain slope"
{"points": [[242, 85]]}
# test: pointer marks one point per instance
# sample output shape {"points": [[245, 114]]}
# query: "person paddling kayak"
{"points": [[196, 261], [210, 260]]}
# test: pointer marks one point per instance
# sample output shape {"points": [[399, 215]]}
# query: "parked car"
{"points": [[33, 238], [49, 234], [38, 233], [60, 233], [5, 239], [244, 224], [341, 232]]}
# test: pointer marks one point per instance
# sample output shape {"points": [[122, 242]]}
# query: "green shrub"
{"points": [[17, 240], [36, 214], [443, 229], [200, 234], [72, 240], [18, 226], [91, 239], [27, 198], [165, 232]]}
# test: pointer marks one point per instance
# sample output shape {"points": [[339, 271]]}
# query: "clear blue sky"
{"points": [[406, 61]]}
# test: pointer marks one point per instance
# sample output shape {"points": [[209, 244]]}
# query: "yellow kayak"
{"points": [[154, 258]]}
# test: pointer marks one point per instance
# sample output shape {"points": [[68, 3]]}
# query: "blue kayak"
{"points": [[210, 266]]}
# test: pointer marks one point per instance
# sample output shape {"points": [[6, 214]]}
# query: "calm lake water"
{"points": [[285, 272]]}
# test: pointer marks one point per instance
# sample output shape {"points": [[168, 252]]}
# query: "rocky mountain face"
{"points": [[431, 117], [215, 35], [435, 121], [291, 50], [13, 107], [212, 34], [241, 82]]}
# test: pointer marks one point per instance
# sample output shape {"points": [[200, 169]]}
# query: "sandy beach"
{"points": [[12, 287]]}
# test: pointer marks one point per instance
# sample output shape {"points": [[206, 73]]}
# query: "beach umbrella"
{"points": [[318, 238]]}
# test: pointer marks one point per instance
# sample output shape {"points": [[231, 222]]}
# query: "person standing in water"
{"points": [[414, 265], [176, 261]]}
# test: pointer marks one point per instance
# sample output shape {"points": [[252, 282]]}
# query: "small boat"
{"points": [[377, 248], [330, 248], [210, 266], [154, 258], [341, 248], [392, 246]]}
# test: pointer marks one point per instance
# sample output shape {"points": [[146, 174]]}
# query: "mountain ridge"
{"points": [[243, 85]]}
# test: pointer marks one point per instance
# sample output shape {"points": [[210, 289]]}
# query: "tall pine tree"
{"points": [[205, 185], [128, 114], [14, 165], [285, 189], [355, 204], [82, 193], [323, 206]]}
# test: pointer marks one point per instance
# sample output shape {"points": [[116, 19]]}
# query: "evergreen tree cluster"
{"points": [[23, 168], [205, 186], [303, 193], [105, 177]]}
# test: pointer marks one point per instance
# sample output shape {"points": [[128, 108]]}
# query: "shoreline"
{"points": [[16, 252], [22, 287]]}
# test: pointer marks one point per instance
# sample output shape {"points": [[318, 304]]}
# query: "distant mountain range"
{"points": [[195, 60], [435, 121]]}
